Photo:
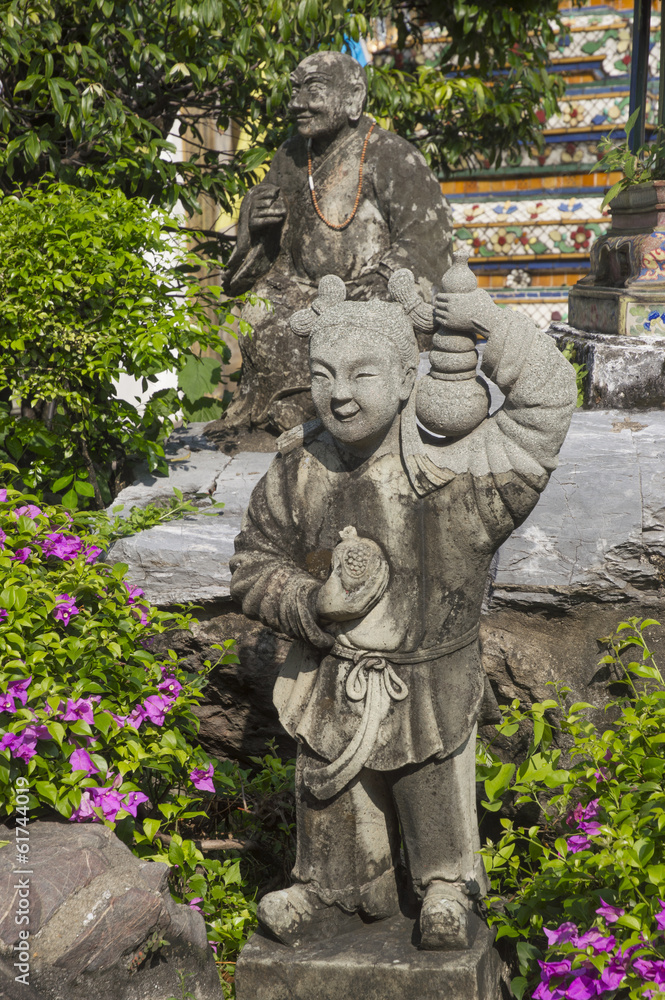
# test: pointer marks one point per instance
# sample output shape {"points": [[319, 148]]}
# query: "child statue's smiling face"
{"points": [[358, 385]]}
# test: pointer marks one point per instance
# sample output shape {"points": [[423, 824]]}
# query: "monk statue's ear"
{"points": [[402, 289], [332, 291], [356, 98]]}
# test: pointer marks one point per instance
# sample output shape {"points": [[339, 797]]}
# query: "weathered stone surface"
{"points": [[188, 559], [284, 247], [625, 373], [102, 922], [374, 962]]}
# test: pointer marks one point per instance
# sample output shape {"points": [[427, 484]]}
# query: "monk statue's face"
{"points": [[358, 385], [327, 94]]}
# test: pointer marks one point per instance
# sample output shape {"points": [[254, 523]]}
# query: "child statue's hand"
{"points": [[464, 312], [358, 578]]}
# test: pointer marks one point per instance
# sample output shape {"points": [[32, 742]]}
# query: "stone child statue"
{"points": [[343, 196], [369, 542]]}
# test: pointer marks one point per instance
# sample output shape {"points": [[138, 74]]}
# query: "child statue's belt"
{"points": [[372, 680]]}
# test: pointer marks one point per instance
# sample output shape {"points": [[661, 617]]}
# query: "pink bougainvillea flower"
{"points": [[2, 539], [79, 708], [85, 810], [3, 614], [609, 912], [213, 945], [81, 760], [170, 688], [91, 552], [65, 547], [133, 800], [7, 703], [202, 779], [136, 716], [28, 510], [3, 495], [155, 708], [133, 592], [612, 976], [578, 843], [594, 939], [24, 744], [19, 689], [21, 555], [561, 934], [583, 987], [108, 800], [592, 829], [65, 609], [194, 903], [660, 916]]}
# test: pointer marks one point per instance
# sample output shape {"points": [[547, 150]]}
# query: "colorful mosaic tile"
{"points": [[526, 210], [556, 239]]}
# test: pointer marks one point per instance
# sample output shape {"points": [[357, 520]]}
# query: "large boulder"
{"points": [[103, 925]]}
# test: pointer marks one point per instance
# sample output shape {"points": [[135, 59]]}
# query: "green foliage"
{"points": [[142, 518], [93, 89], [645, 164], [593, 874], [92, 286], [581, 371]]}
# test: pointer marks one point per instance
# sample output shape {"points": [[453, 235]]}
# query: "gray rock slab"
{"points": [[377, 962], [194, 466], [188, 559], [599, 526]]}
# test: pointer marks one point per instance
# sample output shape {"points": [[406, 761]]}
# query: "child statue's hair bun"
{"points": [[332, 292], [403, 289]]}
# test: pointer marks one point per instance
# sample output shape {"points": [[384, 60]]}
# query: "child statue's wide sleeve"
{"points": [[511, 455], [267, 580]]}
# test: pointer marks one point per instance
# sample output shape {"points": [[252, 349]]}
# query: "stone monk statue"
{"points": [[370, 542], [343, 196]]}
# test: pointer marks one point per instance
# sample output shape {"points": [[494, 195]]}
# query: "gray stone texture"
{"points": [[375, 962], [625, 373], [102, 922]]}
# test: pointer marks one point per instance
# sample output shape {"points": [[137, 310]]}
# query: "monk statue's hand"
{"points": [[465, 312], [358, 578], [267, 206]]}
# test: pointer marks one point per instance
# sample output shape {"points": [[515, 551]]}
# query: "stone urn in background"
{"points": [[624, 292], [451, 400]]}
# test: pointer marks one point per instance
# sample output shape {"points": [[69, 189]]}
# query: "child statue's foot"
{"points": [[445, 917], [292, 915]]}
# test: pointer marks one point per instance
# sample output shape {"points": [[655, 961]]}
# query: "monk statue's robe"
{"points": [[439, 512], [403, 220]]}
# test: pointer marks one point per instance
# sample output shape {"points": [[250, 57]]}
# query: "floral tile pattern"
{"points": [[526, 210]]}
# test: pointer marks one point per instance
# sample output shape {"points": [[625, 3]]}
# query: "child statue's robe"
{"points": [[439, 512]]}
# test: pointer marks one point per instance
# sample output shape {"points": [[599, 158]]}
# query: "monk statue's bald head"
{"points": [[329, 94]]}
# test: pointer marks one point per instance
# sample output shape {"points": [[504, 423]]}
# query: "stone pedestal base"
{"points": [[377, 961], [625, 373], [615, 311]]}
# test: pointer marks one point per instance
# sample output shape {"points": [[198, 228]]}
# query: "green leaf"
{"points": [[199, 376]]}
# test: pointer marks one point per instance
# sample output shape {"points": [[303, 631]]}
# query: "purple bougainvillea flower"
{"points": [[583, 987], [28, 510], [592, 828], [3, 614], [561, 935], [81, 760], [3, 495], [660, 916], [133, 592], [65, 609], [21, 555], [155, 707], [79, 708], [2, 539], [133, 800], [578, 843], [24, 744], [19, 689], [651, 969], [7, 703], [609, 912], [91, 552], [202, 779], [85, 810], [136, 716], [560, 967], [612, 976], [170, 688], [594, 939], [194, 903], [65, 547]]}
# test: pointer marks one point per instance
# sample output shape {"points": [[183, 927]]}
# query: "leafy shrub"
{"points": [[581, 896], [94, 285]]}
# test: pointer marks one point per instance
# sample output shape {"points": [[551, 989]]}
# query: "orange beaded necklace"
{"points": [[350, 218]]}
